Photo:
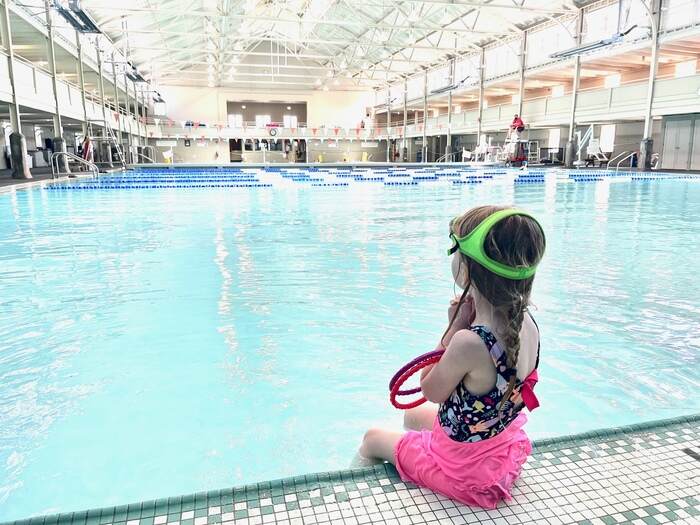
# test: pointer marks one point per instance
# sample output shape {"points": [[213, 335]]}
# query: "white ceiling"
{"points": [[306, 44]]}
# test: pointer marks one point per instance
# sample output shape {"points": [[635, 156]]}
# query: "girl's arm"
{"points": [[464, 319], [439, 381]]}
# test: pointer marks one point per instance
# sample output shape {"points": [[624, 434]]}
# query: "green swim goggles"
{"points": [[472, 245]]}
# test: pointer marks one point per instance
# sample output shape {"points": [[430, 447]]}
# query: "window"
{"points": [[612, 81], [515, 99], [290, 121], [686, 69], [607, 138], [554, 138], [262, 121], [558, 91], [37, 137], [159, 108], [235, 121]]}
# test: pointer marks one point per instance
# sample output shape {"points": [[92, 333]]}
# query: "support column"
{"points": [[105, 151], [404, 153], [521, 91], [571, 144], [425, 116], [481, 97], [448, 145], [127, 123], [58, 143], [6, 32], [646, 147], [143, 116], [116, 103], [81, 79], [136, 114], [18, 144], [388, 125]]}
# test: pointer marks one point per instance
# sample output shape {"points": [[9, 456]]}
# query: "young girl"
{"points": [[471, 448]]}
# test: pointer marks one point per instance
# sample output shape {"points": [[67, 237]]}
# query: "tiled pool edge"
{"points": [[265, 502]]}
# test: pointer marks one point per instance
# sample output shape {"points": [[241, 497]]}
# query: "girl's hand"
{"points": [[465, 313]]}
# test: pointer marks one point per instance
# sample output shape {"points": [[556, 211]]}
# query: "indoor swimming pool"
{"points": [[167, 331]]}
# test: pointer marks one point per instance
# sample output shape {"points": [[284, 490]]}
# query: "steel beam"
{"points": [[571, 146], [404, 153], [523, 55], [81, 79], [425, 115], [57, 128], [448, 145], [481, 96], [116, 104]]}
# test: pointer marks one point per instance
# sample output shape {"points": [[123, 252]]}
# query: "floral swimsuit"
{"points": [[468, 418]]}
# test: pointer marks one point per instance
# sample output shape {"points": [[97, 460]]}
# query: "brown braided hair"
{"points": [[517, 241]]}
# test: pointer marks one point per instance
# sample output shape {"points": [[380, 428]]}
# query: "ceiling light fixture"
{"points": [[79, 19], [617, 37]]}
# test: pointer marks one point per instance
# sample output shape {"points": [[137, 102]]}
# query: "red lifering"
{"points": [[402, 376]]}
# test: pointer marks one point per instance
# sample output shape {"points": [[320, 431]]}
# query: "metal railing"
{"points": [[142, 156], [610, 162], [623, 159], [55, 170], [451, 156]]}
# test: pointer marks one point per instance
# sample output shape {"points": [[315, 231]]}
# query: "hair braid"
{"points": [[515, 313]]}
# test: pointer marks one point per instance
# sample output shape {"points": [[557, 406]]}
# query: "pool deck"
{"points": [[7, 183], [638, 475]]}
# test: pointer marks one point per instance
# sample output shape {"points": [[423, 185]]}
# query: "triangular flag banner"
{"points": [[294, 130], [336, 130], [314, 130], [357, 132]]}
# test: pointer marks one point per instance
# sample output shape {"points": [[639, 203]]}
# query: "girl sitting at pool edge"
{"points": [[472, 447]]}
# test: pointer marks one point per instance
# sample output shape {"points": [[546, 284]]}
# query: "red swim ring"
{"points": [[407, 371]]}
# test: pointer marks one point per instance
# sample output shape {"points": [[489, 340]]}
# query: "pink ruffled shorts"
{"points": [[480, 474]]}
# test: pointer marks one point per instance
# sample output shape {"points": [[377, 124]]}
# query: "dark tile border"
{"points": [[301, 485]]}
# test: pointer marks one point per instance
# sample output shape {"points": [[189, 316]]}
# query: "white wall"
{"points": [[330, 108]]}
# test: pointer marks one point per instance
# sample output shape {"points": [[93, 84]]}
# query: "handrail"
{"points": [[138, 154], [446, 155], [54, 163], [617, 167], [616, 157]]}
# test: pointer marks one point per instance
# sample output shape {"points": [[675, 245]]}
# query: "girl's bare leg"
{"points": [[420, 418], [380, 444]]}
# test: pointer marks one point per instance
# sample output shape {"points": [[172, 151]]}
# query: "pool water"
{"points": [[164, 340]]}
